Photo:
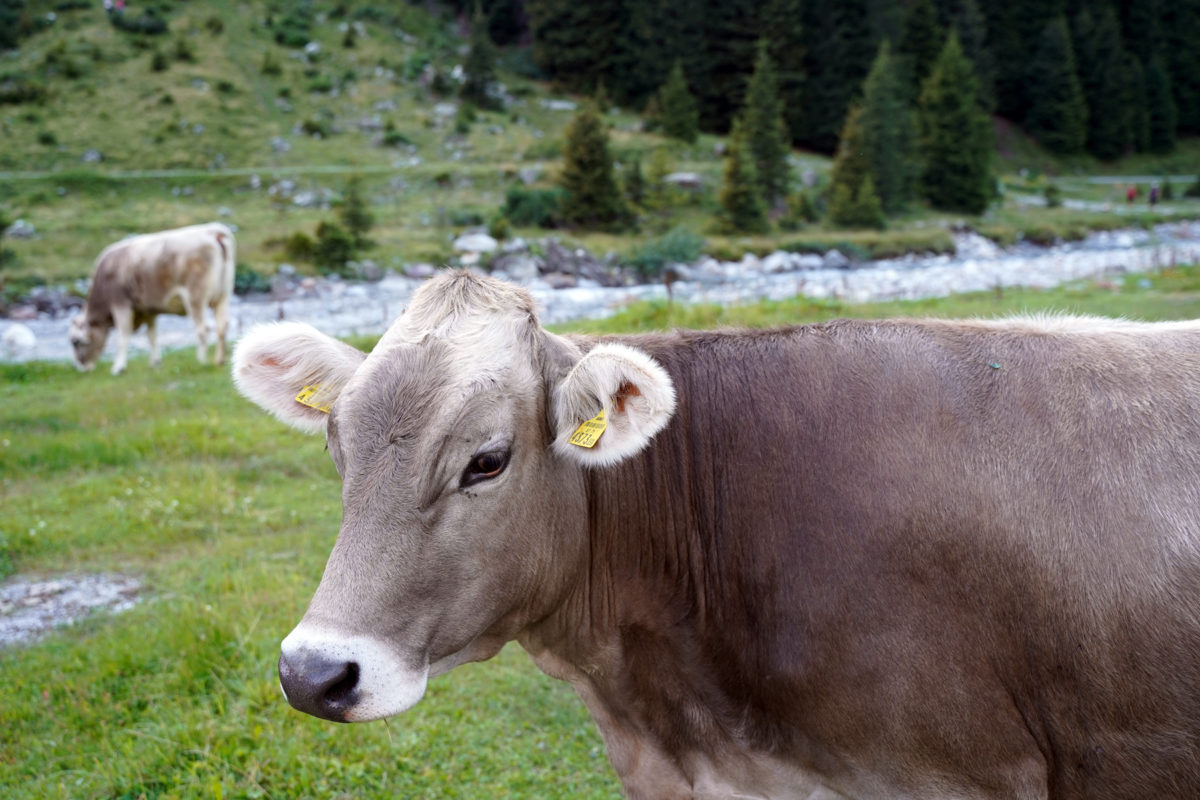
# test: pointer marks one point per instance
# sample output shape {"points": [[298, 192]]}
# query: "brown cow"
{"points": [[181, 271], [863, 559]]}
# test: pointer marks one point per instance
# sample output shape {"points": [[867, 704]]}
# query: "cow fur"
{"points": [[181, 271], [863, 559]]}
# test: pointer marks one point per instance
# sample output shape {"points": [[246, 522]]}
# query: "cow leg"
{"points": [[195, 308], [123, 322], [221, 316], [152, 335]]}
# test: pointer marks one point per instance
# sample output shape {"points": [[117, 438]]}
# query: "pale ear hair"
{"points": [[635, 392], [273, 362]]}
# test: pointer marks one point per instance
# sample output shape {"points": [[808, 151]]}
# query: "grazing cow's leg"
{"points": [[152, 335], [123, 321], [195, 307], [221, 315]]}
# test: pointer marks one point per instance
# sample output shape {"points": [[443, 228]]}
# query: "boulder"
{"points": [[475, 243], [20, 230]]}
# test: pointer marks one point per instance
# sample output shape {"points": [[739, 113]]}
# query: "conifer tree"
{"points": [[1160, 107], [971, 25], [1133, 95], [841, 45], [781, 27], [680, 119], [10, 17], [480, 66], [921, 41], [659, 195], [634, 182], [354, 215], [742, 207], [851, 171], [591, 198], [1181, 51], [955, 136], [1101, 68], [889, 131], [765, 131], [1057, 112]]}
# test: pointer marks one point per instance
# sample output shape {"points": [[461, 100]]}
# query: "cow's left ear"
{"points": [[294, 371], [610, 405]]}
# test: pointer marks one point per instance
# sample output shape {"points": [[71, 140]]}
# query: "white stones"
{"points": [[475, 243], [17, 342]]}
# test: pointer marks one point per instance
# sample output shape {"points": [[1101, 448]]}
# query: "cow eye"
{"points": [[484, 466]]}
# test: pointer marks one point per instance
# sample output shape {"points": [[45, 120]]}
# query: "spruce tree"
{"points": [[781, 27], [659, 195], [971, 25], [10, 18], [841, 45], [1133, 95], [678, 108], [742, 206], [889, 131], [921, 41], [1181, 50], [851, 168], [955, 142], [480, 66], [766, 133], [354, 215], [1101, 73], [1057, 111], [591, 198], [1160, 107]]}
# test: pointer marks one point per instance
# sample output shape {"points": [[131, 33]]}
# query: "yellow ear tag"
{"points": [[311, 396], [587, 434]]}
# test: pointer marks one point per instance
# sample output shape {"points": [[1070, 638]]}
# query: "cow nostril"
{"points": [[342, 689]]}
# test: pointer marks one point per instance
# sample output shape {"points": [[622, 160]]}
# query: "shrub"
{"points": [[314, 127], [226, 87], [500, 228], [394, 138], [678, 245], [158, 61], [334, 248], [149, 23], [47, 138], [214, 25], [269, 65], [1053, 195], [183, 51], [1194, 189], [321, 83], [247, 280], [299, 246], [532, 206], [14, 91]]}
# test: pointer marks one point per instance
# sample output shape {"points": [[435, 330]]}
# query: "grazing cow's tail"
{"points": [[228, 247]]}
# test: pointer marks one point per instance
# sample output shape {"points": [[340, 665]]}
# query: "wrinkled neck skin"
{"points": [[628, 635]]}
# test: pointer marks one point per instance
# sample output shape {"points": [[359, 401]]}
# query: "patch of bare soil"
{"points": [[32, 606]]}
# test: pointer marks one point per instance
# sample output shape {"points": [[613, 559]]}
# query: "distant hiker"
{"points": [[1153, 194], [1131, 193], [108, 6]]}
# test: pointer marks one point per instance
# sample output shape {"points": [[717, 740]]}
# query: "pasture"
{"points": [[228, 517]]}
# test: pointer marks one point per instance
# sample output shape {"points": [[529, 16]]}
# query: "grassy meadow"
{"points": [[228, 517]]}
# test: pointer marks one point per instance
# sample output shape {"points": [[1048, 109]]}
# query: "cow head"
{"points": [[87, 338], [463, 506]]}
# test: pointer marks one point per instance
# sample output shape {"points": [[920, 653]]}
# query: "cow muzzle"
{"points": [[346, 679]]}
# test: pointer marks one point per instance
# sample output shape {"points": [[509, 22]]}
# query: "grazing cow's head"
{"points": [[87, 341], [463, 511]]}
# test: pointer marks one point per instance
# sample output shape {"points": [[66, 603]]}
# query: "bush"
{"points": [[334, 248], [214, 25], [678, 245], [1053, 195], [183, 51], [14, 91], [315, 127], [47, 138], [293, 29], [269, 65], [1194, 189], [158, 61], [149, 23], [395, 138], [538, 207], [247, 280], [299, 246], [500, 228]]}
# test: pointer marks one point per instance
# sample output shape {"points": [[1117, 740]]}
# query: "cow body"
{"points": [[904, 559], [180, 271]]}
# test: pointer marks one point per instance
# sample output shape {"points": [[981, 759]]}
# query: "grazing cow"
{"points": [[181, 271], [861, 559]]}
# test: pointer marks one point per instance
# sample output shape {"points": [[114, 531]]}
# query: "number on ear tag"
{"points": [[313, 396], [587, 434]]}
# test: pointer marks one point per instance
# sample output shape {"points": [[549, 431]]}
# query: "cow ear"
{"points": [[632, 390], [294, 371]]}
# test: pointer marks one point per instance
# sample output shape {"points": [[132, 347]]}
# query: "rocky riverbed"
{"points": [[343, 308]]}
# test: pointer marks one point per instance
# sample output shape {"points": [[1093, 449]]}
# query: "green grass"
{"points": [[228, 516]]}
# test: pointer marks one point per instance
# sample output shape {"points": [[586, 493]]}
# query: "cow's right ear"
{"points": [[278, 362]]}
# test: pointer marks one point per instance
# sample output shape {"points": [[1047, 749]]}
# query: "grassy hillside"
{"points": [[228, 516], [228, 116]]}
